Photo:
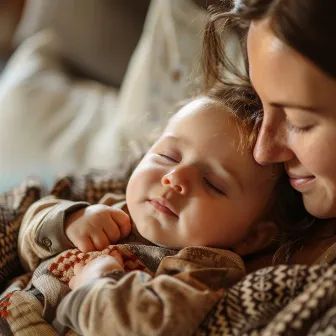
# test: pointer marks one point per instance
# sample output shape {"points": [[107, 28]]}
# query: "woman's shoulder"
{"points": [[328, 256], [320, 248], [320, 251]]}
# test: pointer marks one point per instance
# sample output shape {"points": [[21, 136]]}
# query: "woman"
{"points": [[290, 48], [290, 53]]}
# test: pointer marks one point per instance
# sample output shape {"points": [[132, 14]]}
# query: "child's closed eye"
{"points": [[213, 187], [169, 157]]}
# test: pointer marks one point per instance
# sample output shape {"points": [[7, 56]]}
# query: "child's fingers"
{"points": [[112, 231], [99, 239], [123, 221], [117, 256], [78, 267], [84, 244], [72, 282]]}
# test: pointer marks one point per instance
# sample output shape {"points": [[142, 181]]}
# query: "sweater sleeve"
{"points": [[136, 305], [42, 230], [139, 304]]}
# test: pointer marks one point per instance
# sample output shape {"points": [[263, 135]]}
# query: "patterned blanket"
{"points": [[13, 206], [281, 300], [90, 187], [278, 300]]}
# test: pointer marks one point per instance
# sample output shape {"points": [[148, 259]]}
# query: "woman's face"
{"points": [[299, 125]]}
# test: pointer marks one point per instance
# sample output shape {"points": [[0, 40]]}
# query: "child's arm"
{"points": [[51, 226], [36, 240], [42, 230], [138, 304], [96, 227]]}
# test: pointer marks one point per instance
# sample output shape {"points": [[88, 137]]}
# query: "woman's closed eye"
{"points": [[213, 187], [298, 129], [298, 121]]}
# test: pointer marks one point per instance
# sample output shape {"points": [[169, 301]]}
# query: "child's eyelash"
{"points": [[210, 185], [167, 157], [206, 181]]}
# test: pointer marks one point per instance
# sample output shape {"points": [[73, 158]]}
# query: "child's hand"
{"points": [[96, 227], [96, 268]]}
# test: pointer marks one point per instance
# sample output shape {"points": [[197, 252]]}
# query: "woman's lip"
{"points": [[301, 183], [163, 207]]}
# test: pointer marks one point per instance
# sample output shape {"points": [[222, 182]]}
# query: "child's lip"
{"points": [[163, 206]]}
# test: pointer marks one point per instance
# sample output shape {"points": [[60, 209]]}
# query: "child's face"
{"points": [[194, 186]]}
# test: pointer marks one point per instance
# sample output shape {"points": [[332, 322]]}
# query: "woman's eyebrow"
{"points": [[308, 108], [297, 106]]}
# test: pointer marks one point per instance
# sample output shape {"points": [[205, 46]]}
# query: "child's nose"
{"points": [[177, 180]]}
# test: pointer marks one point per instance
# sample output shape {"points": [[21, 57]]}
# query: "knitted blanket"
{"points": [[13, 206], [90, 187], [281, 300], [63, 267]]}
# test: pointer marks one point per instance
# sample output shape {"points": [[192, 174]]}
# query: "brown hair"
{"points": [[308, 26], [243, 106]]}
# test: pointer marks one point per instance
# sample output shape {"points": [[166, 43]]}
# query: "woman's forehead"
{"points": [[278, 72], [261, 32]]}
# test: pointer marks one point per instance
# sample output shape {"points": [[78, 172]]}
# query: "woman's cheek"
{"points": [[318, 159]]}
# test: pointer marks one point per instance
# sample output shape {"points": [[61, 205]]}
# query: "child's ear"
{"points": [[260, 236]]}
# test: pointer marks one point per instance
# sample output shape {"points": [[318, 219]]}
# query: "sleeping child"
{"points": [[153, 261]]}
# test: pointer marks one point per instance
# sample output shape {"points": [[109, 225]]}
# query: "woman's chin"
{"points": [[321, 208]]}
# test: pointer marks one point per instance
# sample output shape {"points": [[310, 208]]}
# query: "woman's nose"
{"points": [[177, 180], [271, 146]]}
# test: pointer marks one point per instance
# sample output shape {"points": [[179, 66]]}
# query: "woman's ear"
{"points": [[257, 239]]}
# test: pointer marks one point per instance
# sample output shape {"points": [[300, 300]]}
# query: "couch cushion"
{"points": [[97, 36], [48, 119]]}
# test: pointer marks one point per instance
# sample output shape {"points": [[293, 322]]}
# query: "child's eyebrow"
{"points": [[175, 138], [221, 171], [214, 165]]}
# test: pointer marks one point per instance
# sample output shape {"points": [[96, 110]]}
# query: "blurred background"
{"points": [[88, 84]]}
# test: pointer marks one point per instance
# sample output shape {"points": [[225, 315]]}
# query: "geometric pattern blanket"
{"points": [[280, 300], [13, 206], [89, 187], [63, 266]]}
